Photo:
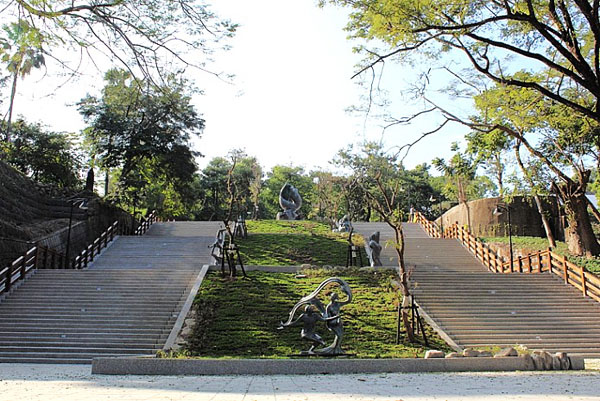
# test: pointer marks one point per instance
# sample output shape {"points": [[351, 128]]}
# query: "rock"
{"points": [[434, 354], [484, 354], [470, 352], [565, 362], [506, 352], [190, 322], [542, 360], [555, 363], [305, 266], [529, 363], [327, 267], [454, 355], [175, 347], [186, 332]]}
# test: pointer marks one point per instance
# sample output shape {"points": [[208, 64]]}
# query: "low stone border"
{"points": [[197, 367]]}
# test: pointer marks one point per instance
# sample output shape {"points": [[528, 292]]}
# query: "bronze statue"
{"points": [[329, 314]]}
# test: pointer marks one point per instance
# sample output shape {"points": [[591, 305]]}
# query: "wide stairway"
{"points": [[125, 304], [475, 307]]}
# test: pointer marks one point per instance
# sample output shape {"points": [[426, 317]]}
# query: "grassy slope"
{"points": [[240, 318], [289, 243], [532, 244]]}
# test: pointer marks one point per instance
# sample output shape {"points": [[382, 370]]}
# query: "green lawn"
{"points": [[291, 243], [239, 318], [532, 244]]}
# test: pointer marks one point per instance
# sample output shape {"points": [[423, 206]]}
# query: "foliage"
{"points": [[532, 244], [48, 157], [558, 39], [21, 51], [144, 36], [244, 316], [246, 184], [276, 178], [145, 131], [292, 243], [410, 187]]}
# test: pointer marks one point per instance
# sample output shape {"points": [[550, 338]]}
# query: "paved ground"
{"points": [[75, 383]]}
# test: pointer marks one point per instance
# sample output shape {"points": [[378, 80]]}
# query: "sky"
{"points": [[287, 105]]}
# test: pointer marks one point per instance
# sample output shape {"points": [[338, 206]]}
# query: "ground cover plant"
{"points": [[533, 244], [290, 243], [240, 318]]}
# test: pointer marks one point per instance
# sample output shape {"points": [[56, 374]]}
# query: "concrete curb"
{"points": [[198, 367], [185, 310]]}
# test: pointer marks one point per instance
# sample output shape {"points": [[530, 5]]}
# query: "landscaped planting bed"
{"points": [[239, 318]]}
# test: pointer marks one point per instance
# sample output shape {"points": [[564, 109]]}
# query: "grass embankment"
{"points": [[240, 318], [290, 243], [533, 244]]}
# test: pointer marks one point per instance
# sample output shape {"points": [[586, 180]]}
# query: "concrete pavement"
{"points": [[74, 382]]}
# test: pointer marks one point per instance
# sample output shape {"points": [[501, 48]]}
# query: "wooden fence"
{"points": [[40, 257], [537, 262]]}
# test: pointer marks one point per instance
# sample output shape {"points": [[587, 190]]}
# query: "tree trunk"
{"points": [[579, 234], [404, 286], [13, 93], [538, 202]]}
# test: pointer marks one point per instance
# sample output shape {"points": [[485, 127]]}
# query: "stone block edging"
{"points": [[198, 367]]}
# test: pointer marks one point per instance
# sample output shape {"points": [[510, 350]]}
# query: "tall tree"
{"points": [[45, 156], [143, 129], [382, 177], [22, 51], [557, 37]]}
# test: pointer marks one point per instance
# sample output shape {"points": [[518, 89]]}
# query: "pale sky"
{"points": [[287, 104]]}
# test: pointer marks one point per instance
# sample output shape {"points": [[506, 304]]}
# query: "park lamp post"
{"points": [[81, 204], [498, 211]]}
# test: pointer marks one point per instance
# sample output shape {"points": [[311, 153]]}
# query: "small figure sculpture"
{"points": [[290, 201], [375, 248], [330, 315], [344, 224], [309, 319]]}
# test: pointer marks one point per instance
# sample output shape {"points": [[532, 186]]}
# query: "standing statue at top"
{"points": [[290, 201]]}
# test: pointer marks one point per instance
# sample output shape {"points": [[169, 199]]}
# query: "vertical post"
{"points": [[8, 280], [23, 265], [67, 252], [565, 269], [583, 280], [510, 244]]}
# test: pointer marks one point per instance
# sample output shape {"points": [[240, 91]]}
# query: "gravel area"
{"points": [[75, 382]]}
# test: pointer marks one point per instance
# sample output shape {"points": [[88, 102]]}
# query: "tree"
{"points": [[45, 156], [276, 178], [560, 39], [381, 178], [566, 143], [144, 36], [26, 45], [144, 130]]}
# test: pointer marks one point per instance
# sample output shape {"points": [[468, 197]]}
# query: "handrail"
{"points": [[41, 257], [429, 226], [536, 262], [88, 254], [146, 224]]}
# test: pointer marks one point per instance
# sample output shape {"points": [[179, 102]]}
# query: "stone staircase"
{"points": [[474, 307], [125, 304]]}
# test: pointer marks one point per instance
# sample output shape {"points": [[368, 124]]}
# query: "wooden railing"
{"points": [[536, 262], [429, 226], [38, 257], [146, 224], [92, 250]]}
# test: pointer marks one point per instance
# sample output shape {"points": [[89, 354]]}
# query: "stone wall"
{"points": [[525, 219]]}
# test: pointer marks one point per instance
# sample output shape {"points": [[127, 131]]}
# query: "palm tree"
{"points": [[26, 41]]}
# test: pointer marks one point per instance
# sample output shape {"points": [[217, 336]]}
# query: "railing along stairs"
{"points": [[41, 257], [536, 262]]}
